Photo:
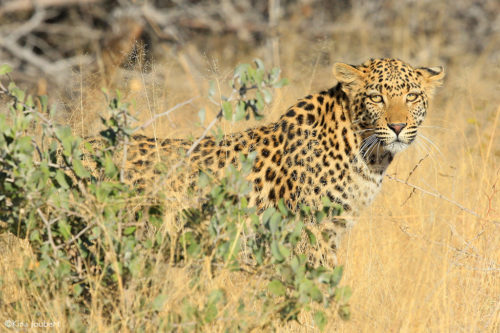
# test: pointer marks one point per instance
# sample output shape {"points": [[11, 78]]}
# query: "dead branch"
{"points": [[437, 195], [410, 174], [150, 121], [26, 5]]}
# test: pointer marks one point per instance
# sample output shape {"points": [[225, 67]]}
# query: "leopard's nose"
{"points": [[397, 127]]}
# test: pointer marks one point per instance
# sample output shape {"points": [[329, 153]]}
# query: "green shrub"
{"points": [[69, 197]]}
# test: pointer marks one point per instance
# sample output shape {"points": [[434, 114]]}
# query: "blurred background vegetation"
{"points": [[54, 39]]}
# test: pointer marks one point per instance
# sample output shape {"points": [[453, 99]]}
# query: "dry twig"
{"points": [[437, 195]]}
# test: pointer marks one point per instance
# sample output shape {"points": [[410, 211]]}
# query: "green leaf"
{"points": [[276, 287], [148, 244], [281, 83], [64, 229], [216, 296], [158, 302], [284, 250], [240, 111], [342, 294], [240, 70], [110, 169], [259, 101], [276, 252], [320, 320], [274, 222], [44, 102], [282, 208], [61, 179], [311, 237], [316, 294], [227, 110], [35, 235], [53, 110], [211, 88], [305, 287], [129, 230], [19, 94], [77, 289], [326, 202], [119, 96], [319, 215], [259, 63], [135, 266], [267, 214], [24, 145], [29, 102], [5, 69], [267, 96], [345, 312], [251, 74], [63, 270], [203, 180], [202, 115], [80, 170], [286, 274], [259, 77], [63, 132], [275, 73], [241, 306], [210, 312], [337, 273]]}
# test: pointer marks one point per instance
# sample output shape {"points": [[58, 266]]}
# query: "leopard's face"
{"points": [[390, 100]]}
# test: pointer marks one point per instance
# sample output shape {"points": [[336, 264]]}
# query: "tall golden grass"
{"points": [[426, 255]]}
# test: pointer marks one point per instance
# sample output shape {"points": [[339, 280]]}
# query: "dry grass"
{"points": [[416, 262]]}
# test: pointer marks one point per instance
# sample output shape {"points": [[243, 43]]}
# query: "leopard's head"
{"points": [[388, 99]]}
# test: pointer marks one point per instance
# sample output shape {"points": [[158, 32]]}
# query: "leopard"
{"points": [[337, 143]]}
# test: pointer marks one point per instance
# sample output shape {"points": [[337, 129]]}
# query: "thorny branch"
{"points": [[150, 121], [437, 195], [410, 174]]}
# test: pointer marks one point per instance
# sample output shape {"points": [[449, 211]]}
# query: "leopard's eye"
{"points": [[376, 98], [411, 97]]}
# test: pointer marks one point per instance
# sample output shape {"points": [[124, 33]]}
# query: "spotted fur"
{"points": [[336, 144]]}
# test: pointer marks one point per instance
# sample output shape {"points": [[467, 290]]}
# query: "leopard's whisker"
{"points": [[378, 150], [369, 148], [363, 145], [365, 130], [438, 127], [432, 143], [367, 143], [429, 152], [419, 146], [374, 144]]}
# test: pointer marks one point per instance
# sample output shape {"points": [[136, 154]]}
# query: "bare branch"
{"points": [[77, 236], [39, 62], [25, 5], [204, 134], [437, 195], [150, 121], [35, 21], [49, 230]]}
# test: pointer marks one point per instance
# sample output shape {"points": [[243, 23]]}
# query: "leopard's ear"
{"points": [[346, 73], [433, 77]]}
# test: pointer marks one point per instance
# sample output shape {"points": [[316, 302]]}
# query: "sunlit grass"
{"points": [[415, 261]]}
